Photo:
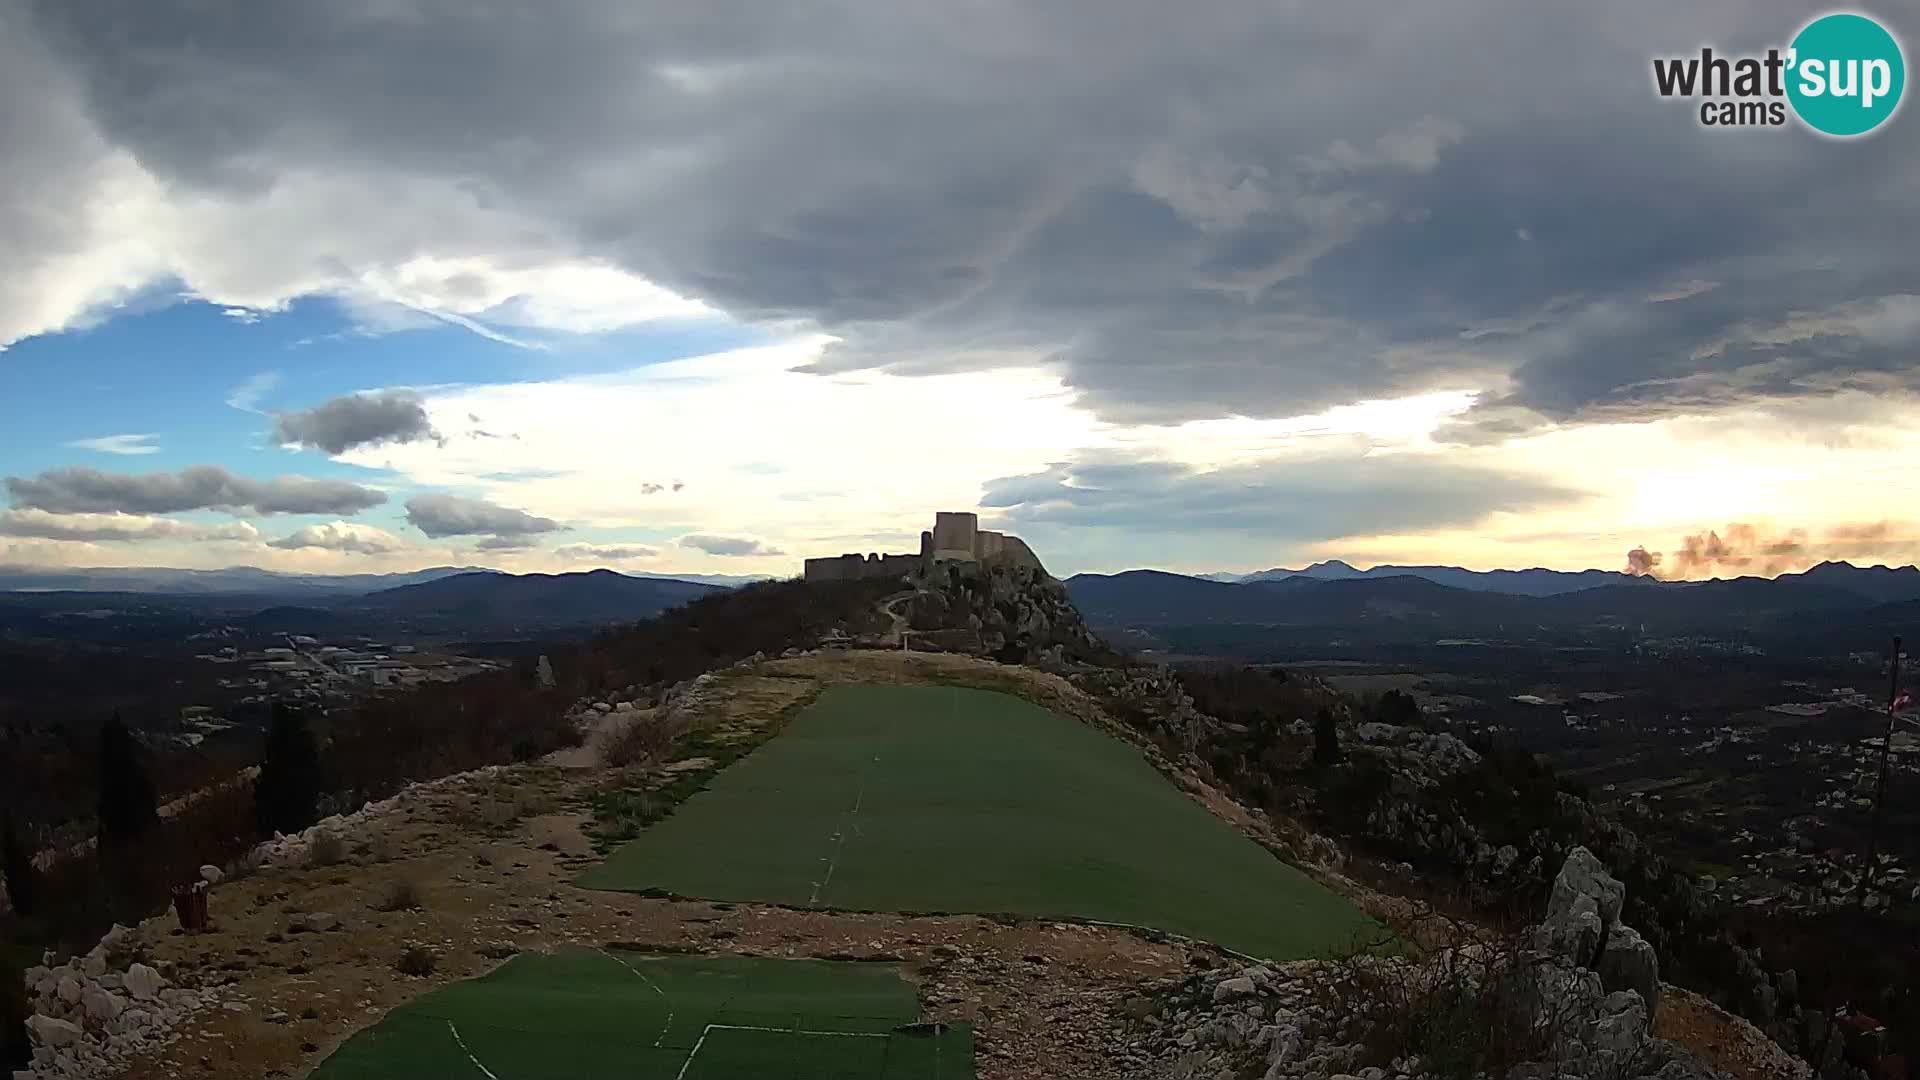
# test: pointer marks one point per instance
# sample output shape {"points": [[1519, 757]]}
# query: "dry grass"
{"points": [[643, 741]]}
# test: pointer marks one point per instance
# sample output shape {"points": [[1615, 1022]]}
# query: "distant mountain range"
{"points": [[1883, 584], [1516, 582], [473, 604], [1409, 602], [253, 581]]}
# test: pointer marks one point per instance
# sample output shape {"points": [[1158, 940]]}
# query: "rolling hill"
{"points": [[493, 599]]}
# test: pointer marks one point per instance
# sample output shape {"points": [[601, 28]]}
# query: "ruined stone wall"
{"points": [[891, 565], [835, 568], [855, 567]]}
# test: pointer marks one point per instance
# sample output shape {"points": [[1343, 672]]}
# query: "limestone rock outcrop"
{"points": [[1323, 1020], [94, 1012]]}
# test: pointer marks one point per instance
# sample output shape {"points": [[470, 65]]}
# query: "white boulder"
{"points": [[47, 1031], [100, 1004], [143, 982], [1234, 989]]}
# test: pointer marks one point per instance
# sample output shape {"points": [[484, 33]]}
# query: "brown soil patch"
{"points": [[1721, 1039]]}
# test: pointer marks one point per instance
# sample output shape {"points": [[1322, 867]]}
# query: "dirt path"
{"points": [[890, 607], [599, 730]]}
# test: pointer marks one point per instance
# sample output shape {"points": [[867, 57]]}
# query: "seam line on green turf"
{"points": [[710, 1028], [840, 837], [488, 1073]]}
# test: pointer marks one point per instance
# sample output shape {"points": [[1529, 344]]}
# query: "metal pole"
{"points": [[1880, 786]]}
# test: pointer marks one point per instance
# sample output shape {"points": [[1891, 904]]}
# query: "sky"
{"points": [[375, 285]]}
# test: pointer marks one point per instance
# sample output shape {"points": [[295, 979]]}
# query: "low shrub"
{"points": [[1472, 1010], [416, 961], [642, 741], [402, 895]]}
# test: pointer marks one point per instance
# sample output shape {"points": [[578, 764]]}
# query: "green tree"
{"points": [[21, 875], [1399, 708], [16, 1050], [128, 807], [286, 796]]}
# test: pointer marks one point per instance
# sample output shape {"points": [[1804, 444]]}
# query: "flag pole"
{"points": [[1880, 786]]}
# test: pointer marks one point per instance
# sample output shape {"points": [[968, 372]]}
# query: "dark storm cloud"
{"points": [[1237, 208], [354, 420], [1290, 502], [450, 515], [203, 487]]}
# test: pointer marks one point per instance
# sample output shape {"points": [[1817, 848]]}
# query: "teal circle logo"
{"points": [[1845, 74]]}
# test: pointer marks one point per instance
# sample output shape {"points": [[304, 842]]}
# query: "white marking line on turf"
{"points": [[840, 837], [710, 1028], [664, 1028], [488, 1073]]}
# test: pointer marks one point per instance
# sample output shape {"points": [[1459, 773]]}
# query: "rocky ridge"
{"points": [[92, 1014]]}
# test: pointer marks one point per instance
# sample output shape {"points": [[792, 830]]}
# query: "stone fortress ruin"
{"points": [[956, 537]]}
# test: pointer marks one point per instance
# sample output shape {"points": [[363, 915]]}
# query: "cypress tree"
{"points": [[1399, 708], [21, 875], [286, 796], [16, 1050], [1326, 738], [128, 807]]}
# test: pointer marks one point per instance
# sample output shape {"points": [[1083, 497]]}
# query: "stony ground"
{"points": [[487, 862]]}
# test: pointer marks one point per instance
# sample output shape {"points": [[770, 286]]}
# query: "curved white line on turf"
{"points": [[488, 1073], [664, 1028]]}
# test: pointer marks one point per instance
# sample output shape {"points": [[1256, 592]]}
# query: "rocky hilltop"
{"points": [[1442, 841]]}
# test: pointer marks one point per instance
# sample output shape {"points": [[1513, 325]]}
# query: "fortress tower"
{"points": [[954, 535]]}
